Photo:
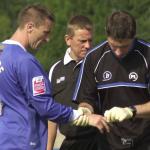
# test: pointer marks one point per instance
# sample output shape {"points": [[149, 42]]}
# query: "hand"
{"points": [[99, 122], [118, 114]]}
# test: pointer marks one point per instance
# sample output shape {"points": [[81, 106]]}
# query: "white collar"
{"points": [[14, 42], [67, 57]]}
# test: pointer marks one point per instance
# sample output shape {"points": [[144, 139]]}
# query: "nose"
{"points": [[87, 44]]}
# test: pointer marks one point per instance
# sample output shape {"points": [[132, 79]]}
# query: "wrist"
{"points": [[75, 114], [86, 105], [134, 110]]}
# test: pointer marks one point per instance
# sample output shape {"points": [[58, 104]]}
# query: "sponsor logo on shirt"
{"points": [[107, 75], [38, 85], [60, 79], [133, 76]]}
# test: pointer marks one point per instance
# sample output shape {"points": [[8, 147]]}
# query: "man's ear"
{"points": [[29, 27], [68, 39]]}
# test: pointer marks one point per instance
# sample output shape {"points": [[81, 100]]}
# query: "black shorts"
{"points": [[98, 142], [117, 143]]}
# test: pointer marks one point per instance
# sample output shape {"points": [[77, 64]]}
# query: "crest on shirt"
{"points": [[133, 76], [107, 75], [60, 79], [38, 85]]}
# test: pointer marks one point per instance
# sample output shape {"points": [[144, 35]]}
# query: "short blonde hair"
{"points": [[78, 22]]}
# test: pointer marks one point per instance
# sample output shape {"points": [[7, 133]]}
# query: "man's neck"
{"points": [[21, 37]]}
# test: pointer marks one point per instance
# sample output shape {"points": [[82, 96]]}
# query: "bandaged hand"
{"points": [[85, 110], [81, 121], [118, 114], [94, 120]]}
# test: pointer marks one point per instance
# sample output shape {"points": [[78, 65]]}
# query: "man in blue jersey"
{"points": [[118, 70], [25, 93]]}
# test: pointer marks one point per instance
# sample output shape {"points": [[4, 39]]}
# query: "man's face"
{"points": [[79, 43], [40, 34], [120, 47]]}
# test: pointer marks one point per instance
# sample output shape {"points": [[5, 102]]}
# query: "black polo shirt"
{"points": [[119, 82], [63, 76]]}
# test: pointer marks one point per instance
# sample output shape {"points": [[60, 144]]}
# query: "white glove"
{"points": [[118, 114], [81, 121], [78, 118], [85, 110]]}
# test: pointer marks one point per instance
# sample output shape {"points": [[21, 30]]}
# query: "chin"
{"points": [[81, 57]]}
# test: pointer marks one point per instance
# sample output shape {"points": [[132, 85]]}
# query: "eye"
{"points": [[46, 32], [82, 41]]}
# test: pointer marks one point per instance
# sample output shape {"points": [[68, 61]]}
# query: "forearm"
{"points": [[143, 110], [52, 131]]}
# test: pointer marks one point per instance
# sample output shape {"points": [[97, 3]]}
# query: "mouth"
{"points": [[84, 52]]}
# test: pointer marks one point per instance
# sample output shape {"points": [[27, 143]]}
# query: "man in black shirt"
{"points": [[118, 70], [63, 75]]}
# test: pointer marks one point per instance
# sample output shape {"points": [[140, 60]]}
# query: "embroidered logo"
{"points": [[60, 79], [107, 75], [133, 76], [32, 143], [127, 141], [38, 85], [1, 67]]}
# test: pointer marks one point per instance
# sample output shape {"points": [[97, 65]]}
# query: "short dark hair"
{"points": [[121, 25], [79, 22], [36, 13]]}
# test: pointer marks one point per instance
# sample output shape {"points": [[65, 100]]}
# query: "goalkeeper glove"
{"points": [[119, 114]]}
